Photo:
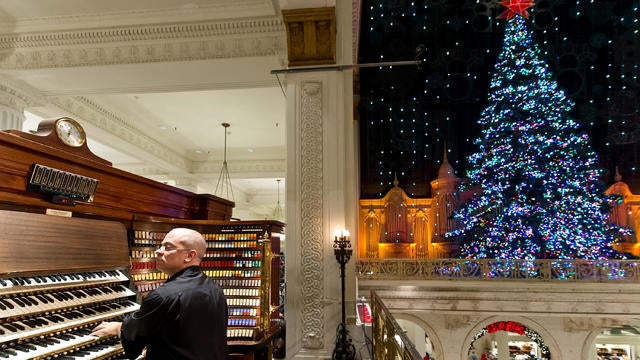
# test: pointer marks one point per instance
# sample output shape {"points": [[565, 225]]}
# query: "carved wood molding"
{"points": [[356, 11], [119, 193], [311, 36]]}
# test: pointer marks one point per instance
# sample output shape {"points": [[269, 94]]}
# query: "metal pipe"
{"points": [[344, 67]]}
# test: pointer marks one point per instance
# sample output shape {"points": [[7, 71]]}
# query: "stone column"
{"points": [[10, 119], [11, 109], [321, 197]]}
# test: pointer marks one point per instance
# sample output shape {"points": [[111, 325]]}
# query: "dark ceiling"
{"points": [[409, 114]]}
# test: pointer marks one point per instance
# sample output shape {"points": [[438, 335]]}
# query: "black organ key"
{"points": [[29, 300], [65, 336], [21, 347], [44, 308], [24, 301], [10, 327], [87, 311]]}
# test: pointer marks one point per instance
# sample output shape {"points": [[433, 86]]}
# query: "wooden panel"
{"points": [[36, 243], [311, 36], [119, 194]]}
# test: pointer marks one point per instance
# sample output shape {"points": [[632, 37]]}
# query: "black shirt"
{"points": [[185, 318]]}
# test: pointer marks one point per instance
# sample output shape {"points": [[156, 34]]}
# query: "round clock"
{"points": [[70, 132]]}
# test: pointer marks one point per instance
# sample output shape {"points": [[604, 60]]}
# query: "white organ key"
{"points": [[30, 284], [5, 285], [45, 346], [8, 308], [69, 321], [50, 316], [25, 304]]}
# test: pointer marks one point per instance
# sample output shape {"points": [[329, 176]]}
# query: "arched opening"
{"points": [[617, 343], [506, 340], [422, 335]]}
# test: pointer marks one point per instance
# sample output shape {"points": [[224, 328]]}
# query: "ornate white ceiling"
{"points": [[152, 81]]}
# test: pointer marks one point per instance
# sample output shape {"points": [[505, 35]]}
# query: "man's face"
{"points": [[171, 255]]}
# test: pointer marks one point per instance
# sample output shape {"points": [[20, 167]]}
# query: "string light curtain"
{"points": [[408, 113]]}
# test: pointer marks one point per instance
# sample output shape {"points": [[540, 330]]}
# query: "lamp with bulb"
{"points": [[344, 350]]}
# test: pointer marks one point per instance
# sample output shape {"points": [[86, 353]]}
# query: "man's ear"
{"points": [[192, 255]]}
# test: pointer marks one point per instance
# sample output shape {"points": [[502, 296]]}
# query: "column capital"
{"points": [[311, 36], [13, 102]]}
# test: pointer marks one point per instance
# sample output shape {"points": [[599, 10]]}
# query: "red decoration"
{"points": [[516, 7], [510, 326]]}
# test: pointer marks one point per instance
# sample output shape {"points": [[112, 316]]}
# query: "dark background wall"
{"points": [[408, 114]]}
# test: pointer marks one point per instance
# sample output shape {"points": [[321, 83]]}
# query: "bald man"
{"points": [[186, 317]]}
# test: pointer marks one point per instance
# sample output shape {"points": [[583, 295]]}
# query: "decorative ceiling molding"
{"points": [[87, 110], [16, 99], [93, 113], [19, 97], [241, 168], [229, 28], [219, 85], [36, 18], [144, 44]]}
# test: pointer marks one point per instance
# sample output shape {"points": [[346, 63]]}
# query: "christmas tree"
{"points": [[541, 195]]}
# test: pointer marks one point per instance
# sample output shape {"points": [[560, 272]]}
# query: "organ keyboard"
{"points": [[49, 314], [41, 324]]}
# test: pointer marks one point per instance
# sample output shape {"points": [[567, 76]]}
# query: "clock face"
{"points": [[70, 132]]}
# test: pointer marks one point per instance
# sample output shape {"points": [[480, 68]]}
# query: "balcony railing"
{"points": [[491, 269], [389, 340]]}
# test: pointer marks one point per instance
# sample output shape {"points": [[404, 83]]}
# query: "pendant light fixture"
{"points": [[278, 213], [223, 187]]}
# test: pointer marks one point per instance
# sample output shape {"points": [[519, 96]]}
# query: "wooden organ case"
{"points": [[243, 257], [88, 251], [59, 278]]}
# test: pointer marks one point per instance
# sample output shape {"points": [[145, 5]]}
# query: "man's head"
{"points": [[180, 249]]}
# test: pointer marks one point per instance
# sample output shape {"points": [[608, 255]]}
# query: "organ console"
{"points": [[59, 278]]}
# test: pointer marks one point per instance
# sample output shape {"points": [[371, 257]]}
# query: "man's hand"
{"points": [[107, 328]]}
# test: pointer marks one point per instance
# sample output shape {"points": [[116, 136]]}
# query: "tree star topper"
{"points": [[516, 7]]}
